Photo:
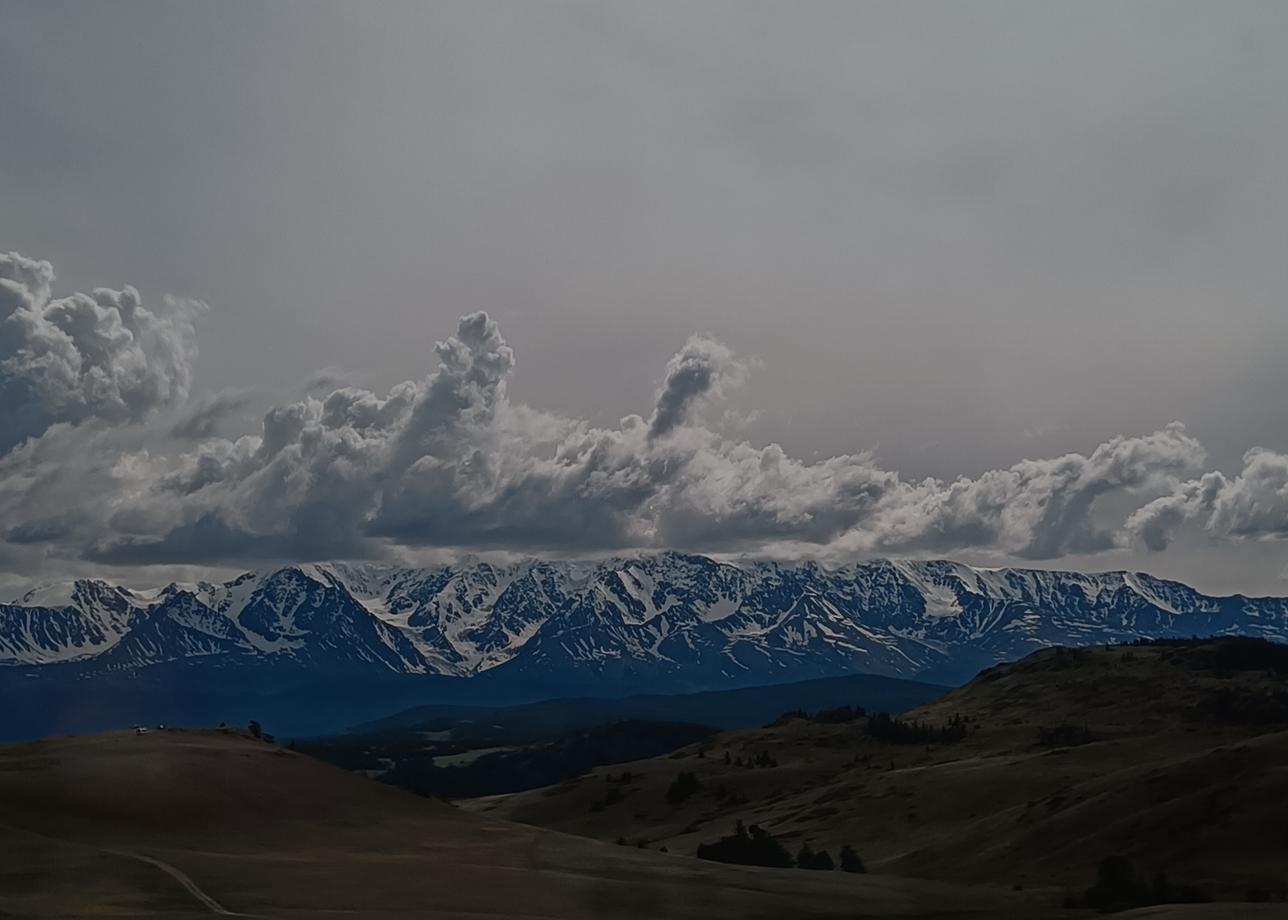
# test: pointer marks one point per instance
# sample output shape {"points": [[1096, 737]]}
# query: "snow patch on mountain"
{"points": [[668, 619]]}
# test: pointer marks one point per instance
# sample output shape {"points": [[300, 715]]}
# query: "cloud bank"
{"points": [[1251, 505], [104, 458], [88, 356]]}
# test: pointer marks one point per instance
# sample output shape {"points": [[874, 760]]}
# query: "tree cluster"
{"points": [[1064, 735], [760, 759], [730, 797], [885, 727], [1119, 887], [755, 846], [611, 797], [682, 787], [1242, 706], [837, 715], [806, 858], [752, 846]]}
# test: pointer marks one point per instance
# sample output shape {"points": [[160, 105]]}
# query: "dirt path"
{"points": [[177, 874], [183, 879]]}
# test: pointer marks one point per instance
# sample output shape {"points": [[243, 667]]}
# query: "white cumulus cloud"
{"points": [[105, 459], [85, 356]]}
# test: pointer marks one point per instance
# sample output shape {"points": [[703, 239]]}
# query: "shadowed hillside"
{"points": [[180, 824], [1171, 755]]}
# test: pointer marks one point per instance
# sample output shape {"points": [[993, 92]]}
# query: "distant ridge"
{"points": [[667, 622], [725, 709]]}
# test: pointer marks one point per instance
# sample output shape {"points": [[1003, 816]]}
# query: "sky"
{"points": [[1002, 282]]}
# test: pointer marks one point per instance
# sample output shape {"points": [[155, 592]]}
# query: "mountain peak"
{"points": [[644, 621], [70, 593]]}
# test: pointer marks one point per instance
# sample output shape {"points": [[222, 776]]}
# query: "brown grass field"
{"points": [[1204, 802], [181, 824]]}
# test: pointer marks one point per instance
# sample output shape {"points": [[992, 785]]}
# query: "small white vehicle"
{"points": [[140, 730]]}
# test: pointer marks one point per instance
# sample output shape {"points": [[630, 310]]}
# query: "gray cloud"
{"points": [[451, 461], [703, 369], [208, 416], [1038, 509], [1252, 505], [59, 492], [101, 356]]}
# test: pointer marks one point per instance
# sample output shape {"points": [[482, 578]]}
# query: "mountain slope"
{"points": [[668, 621], [65, 622]]}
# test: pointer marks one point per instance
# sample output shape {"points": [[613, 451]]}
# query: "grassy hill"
{"points": [[1173, 755], [183, 824]]}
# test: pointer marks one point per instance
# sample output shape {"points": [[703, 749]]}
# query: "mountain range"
{"points": [[668, 622]]}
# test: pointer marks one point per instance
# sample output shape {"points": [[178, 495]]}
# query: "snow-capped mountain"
{"points": [[660, 621], [66, 621]]}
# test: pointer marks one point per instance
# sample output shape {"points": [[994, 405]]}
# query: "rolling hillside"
{"points": [[1171, 754], [181, 824]]}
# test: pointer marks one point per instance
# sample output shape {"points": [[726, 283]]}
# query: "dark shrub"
{"points": [[752, 846], [1064, 735], [806, 858], [850, 861], [684, 785], [885, 727]]}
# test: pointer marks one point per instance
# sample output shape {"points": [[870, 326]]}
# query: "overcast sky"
{"points": [[827, 279]]}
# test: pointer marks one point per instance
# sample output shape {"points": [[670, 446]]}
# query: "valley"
{"points": [[454, 751]]}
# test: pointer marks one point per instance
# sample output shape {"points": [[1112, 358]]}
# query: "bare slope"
{"points": [[1186, 771], [187, 824]]}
